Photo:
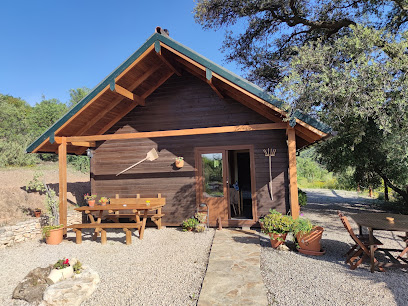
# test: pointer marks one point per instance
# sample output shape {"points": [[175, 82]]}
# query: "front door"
{"points": [[212, 169]]}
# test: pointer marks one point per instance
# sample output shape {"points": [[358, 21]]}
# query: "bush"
{"points": [[190, 224], [276, 223], [302, 197]]}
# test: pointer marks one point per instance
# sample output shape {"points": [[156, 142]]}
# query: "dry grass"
{"points": [[16, 204]]}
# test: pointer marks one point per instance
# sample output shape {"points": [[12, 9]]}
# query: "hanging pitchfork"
{"points": [[269, 153]]}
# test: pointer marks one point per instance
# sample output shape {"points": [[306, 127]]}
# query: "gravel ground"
{"points": [[295, 279], [167, 267]]}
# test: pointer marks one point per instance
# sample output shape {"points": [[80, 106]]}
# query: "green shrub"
{"points": [[302, 226], [302, 197], [276, 223], [190, 224]]}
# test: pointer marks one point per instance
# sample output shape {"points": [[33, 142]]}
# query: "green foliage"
{"points": [[61, 264], [189, 224], [302, 226], [21, 124], [302, 198], [77, 267], [36, 184], [262, 36], [77, 95], [276, 223]]}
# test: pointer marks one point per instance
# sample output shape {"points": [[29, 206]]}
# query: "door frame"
{"points": [[199, 186]]}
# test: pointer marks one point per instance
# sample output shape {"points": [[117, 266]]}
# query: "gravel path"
{"points": [[167, 267], [295, 279]]}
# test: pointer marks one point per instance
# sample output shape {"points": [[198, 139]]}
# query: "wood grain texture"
{"points": [[184, 103]]}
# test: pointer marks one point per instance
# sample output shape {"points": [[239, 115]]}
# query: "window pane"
{"points": [[212, 175]]}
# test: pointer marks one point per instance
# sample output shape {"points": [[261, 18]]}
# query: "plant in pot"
{"points": [[62, 269], [308, 237], [53, 232], [179, 162], [90, 199], [190, 224], [104, 200], [37, 212], [277, 226]]}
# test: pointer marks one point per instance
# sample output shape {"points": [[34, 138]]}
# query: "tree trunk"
{"points": [[386, 191], [401, 192], [370, 192]]}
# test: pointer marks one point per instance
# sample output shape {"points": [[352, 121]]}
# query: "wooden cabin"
{"points": [[170, 98]]}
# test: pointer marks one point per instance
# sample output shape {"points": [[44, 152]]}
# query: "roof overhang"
{"points": [[142, 73]]}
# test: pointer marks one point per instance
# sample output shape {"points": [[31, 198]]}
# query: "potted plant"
{"points": [[308, 237], [189, 224], [37, 212], [90, 199], [62, 269], [53, 234], [277, 226], [104, 200], [179, 162]]}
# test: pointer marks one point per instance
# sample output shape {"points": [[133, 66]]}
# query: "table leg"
{"points": [[95, 235], [141, 232], [360, 229], [371, 240]]}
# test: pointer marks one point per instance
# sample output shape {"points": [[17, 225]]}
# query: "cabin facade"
{"points": [[168, 98]]}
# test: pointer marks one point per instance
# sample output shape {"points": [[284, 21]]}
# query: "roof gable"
{"points": [[156, 43]]}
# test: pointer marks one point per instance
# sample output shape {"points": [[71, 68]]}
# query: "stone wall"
{"points": [[29, 230]]}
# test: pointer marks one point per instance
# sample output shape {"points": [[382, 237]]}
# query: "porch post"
{"points": [[293, 188], [62, 163]]}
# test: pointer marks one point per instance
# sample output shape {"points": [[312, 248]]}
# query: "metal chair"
{"points": [[360, 250]]}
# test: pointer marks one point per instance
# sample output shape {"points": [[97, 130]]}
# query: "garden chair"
{"points": [[360, 250]]}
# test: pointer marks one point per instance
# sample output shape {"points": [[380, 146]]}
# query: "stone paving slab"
{"points": [[233, 274]]}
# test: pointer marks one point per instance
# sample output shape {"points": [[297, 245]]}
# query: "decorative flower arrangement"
{"points": [[179, 158], [147, 203], [89, 197], [179, 162], [104, 200], [61, 264]]}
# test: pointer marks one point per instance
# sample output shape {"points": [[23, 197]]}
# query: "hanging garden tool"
{"points": [[269, 153], [150, 156]]}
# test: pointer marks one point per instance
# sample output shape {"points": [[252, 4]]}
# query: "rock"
{"points": [[283, 247], [32, 287], [72, 291]]}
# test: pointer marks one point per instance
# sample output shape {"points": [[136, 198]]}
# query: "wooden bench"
{"points": [[155, 214], [101, 227]]}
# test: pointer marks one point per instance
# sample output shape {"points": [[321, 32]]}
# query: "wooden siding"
{"points": [[181, 103]]}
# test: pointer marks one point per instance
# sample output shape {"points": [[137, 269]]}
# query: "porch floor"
{"points": [[233, 274]]}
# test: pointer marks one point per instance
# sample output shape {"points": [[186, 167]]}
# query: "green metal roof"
{"points": [[232, 77]]}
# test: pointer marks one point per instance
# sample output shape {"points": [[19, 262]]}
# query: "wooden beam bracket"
{"points": [[208, 75], [126, 93], [159, 53]]}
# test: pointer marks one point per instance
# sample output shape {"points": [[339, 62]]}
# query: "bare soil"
{"points": [[17, 204]]}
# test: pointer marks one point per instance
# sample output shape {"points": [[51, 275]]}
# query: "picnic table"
{"points": [[139, 212], [384, 222]]}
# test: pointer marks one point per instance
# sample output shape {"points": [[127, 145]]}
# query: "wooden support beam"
{"points": [[62, 163], [185, 132], [144, 77], [126, 93], [157, 85], [208, 74], [166, 61], [293, 188], [137, 61], [88, 144]]}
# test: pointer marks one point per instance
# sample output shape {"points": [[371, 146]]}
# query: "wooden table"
{"points": [[139, 210], [379, 221]]}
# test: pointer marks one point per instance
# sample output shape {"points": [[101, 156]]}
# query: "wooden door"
{"points": [[212, 174]]}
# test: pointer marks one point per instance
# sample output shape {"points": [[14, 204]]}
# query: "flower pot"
{"points": [[103, 203], [91, 203], [37, 213], [59, 274], [277, 239], [311, 240], [55, 236], [179, 163]]}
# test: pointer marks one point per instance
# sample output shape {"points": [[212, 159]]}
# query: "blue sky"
{"points": [[49, 47]]}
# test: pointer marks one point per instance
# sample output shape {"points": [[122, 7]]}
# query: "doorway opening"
{"points": [[240, 195]]}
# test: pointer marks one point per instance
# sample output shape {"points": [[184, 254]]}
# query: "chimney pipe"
{"points": [[163, 32]]}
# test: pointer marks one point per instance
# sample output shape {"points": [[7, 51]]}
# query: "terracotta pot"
{"points": [[277, 239], [179, 163], [311, 240], [37, 213], [55, 236], [91, 203], [59, 274], [103, 203]]}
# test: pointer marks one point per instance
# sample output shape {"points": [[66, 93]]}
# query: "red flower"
{"points": [[66, 262]]}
